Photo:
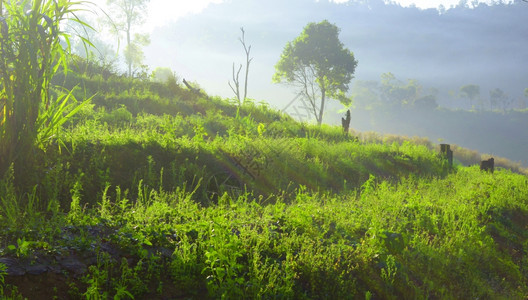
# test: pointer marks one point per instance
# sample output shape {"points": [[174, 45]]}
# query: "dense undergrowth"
{"points": [[154, 191]]}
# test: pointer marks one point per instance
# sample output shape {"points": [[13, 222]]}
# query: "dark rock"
{"points": [[37, 269], [55, 269], [92, 260], [110, 249], [165, 252], [13, 266], [72, 264]]}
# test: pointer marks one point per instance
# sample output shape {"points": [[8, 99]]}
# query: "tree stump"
{"points": [[488, 165], [346, 122], [190, 87], [447, 153]]}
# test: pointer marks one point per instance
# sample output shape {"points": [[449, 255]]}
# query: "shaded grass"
{"points": [[462, 236]]}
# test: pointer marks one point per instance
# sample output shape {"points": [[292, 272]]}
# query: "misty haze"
{"points": [[443, 50]]}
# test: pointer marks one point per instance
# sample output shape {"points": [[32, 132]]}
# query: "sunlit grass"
{"points": [[417, 238], [315, 213]]}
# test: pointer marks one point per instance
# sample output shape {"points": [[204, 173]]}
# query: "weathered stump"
{"points": [[346, 122], [488, 165], [445, 150], [190, 87]]}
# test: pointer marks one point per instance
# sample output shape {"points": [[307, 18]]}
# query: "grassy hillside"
{"points": [[156, 192], [497, 133]]}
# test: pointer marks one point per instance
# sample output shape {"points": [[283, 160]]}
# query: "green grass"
{"points": [[462, 236], [304, 212]]}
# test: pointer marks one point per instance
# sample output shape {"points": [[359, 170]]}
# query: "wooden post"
{"points": [[446, 151], [346, 122], [488, 165]]}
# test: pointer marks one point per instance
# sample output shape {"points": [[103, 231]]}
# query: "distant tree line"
{"points": [[391, 92]]}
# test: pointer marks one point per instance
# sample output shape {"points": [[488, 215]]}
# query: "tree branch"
{"points": [[236, 82], [248, 60]]}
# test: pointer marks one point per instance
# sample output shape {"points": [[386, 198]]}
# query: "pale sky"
{"points": [[168, 10], [163, 11], [424, 4]]}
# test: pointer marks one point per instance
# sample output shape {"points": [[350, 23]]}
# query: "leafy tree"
{"points": [[470, 91], [166, 76], [395, 91], [319, 64], [497, 96], [526, 92], [366, 94], [392, 93], [427, 102], [163, 75], [129, 13], [134, 53]]}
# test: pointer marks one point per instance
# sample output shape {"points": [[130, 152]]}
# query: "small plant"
{"points": [[98, 279], [221, 266], [22, 248], [7, 291], [75, 204], [3, 272], [8, 197], [388, 273]]}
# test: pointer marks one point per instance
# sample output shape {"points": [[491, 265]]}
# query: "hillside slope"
{"points": [[157, 192]]}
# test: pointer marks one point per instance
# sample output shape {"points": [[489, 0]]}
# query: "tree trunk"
{"points": [[128, 46], [321, 109]]}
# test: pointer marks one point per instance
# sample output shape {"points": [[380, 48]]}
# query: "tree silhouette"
{"points": [[470, 91], [127, 14], [319, 64], [497, 96], [236, 81]]}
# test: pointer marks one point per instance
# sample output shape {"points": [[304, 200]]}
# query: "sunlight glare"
{"points": [[171, 10], [160, 12]]}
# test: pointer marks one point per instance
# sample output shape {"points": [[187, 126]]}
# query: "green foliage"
{"points": [[134, 55], [21, 249], [3, 272], [167, 77], [448, 237], [9, 200], [391, 93], [302, 211], [319, 64], [31, 54], [7, 291]]}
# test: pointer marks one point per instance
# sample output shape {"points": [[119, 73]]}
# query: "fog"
{"points": [[443, 49], [485, 45]]}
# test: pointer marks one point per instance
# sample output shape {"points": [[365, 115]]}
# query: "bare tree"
{"points": [[130, 13], [236, 81]]}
